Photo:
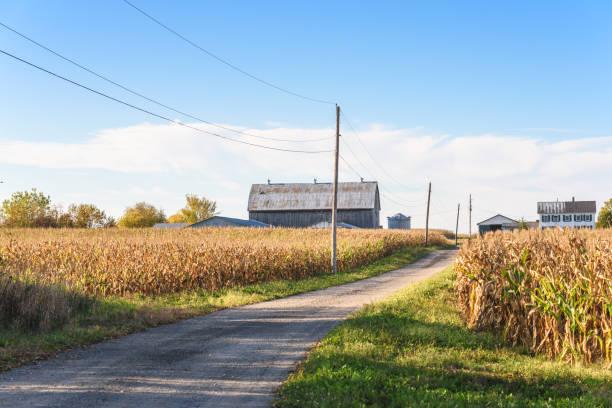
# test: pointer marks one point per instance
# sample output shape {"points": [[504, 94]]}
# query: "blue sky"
{"points": [[445, 79]]}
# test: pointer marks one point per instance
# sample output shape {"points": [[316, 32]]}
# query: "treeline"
{"points": [[34, 209]]}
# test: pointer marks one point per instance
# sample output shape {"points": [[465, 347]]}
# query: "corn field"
{"points": [[549, 290], [149, 262]]}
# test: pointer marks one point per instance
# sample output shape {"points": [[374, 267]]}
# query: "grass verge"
{"points": [[413, 350], [112, 317]]}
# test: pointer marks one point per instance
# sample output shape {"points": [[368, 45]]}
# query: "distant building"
{"points": [[171, 225], [306, 204], [325, 224], [497, 223], [398, 221], [218, 221], [567, 214]]}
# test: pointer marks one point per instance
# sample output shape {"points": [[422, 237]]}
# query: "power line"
{"points": [[348, 146], [370, 155], [223, 61], [350, 167], [125, 88], [382, 192], [156, 114], [384, 195]]}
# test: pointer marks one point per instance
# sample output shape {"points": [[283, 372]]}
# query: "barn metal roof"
{"points": [[566, 207], [313, 196]]}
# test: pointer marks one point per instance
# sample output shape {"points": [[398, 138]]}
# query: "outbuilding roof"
{"points": [[229, 221], [313, 196], [327, 224], [566, 207], [498, 220], [171, 225]]}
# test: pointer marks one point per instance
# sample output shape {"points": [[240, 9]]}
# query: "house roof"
{"points": [[399, 216], [232, 221], [566, 207], [498, 220], [171, 225], [313, 196]]}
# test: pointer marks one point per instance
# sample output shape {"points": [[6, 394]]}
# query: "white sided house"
{"points": [[567, 214]]}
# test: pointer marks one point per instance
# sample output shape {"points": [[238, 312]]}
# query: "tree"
{"points": [[604, 219], [86, 216], [196, 209], [27, 209], [141, 215], [523, 224]]}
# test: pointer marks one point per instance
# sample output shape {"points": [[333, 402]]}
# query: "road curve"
{"points": [[230, 358]]}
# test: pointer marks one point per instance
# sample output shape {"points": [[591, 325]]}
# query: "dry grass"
{"points": [[29, 306], [151, 262], [549, 290]]}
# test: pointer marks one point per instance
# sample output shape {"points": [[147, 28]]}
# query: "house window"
{"points": [[588, 217], [577, 217], [567, 218], [546, 218], [555, 218]]}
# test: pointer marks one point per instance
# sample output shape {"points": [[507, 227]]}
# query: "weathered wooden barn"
{"points": [[307, 204]]}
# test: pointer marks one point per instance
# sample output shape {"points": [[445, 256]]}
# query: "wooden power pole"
{"points": [[457, 226], [470, 220], [334, 260], [427, 219]]}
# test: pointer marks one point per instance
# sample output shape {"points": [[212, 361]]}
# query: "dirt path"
{"points": [[231, 358]]}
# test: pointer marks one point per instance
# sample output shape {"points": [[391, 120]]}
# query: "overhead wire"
{"points": [[222, 60], [140, 95], [156, 114], [383, 189], [365, 148]]}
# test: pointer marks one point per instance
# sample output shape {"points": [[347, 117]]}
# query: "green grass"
{"points": [[113, 317], [413, 350]]}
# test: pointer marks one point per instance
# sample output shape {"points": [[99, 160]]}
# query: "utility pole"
{"points": [[470, 227], [334, 260], [427, 219], [457, 226]]}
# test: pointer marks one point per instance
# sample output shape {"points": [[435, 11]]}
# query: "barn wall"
{"points": [[358, 218]]}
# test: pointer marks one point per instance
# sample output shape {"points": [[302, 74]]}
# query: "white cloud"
{"points": [[504, 174]]}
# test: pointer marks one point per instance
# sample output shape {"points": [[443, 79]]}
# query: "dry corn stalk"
{"points": [[550, 290], [120, 262]]}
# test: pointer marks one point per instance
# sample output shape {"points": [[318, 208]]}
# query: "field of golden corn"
{"points": [[149, 262], [549, 290]]}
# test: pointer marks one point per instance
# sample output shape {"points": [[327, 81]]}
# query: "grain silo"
{"points": [[398, 221]]}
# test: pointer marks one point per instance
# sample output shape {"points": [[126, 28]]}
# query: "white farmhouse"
{"points": [[567, 214]]}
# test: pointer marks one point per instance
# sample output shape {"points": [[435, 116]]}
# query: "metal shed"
{"points": [[398, 221], [325, 224], [305, 204], [218, 221], [496, 223]]}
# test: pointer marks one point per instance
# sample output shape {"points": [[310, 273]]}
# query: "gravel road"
{"points": [[230, 358]]}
